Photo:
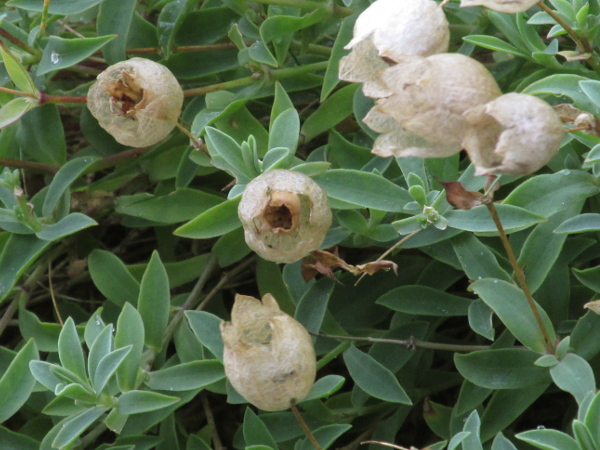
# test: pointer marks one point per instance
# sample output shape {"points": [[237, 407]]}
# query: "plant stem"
{"points": [[411, 343], [113, 160], [18, 43], [311, 437], [18, 164], [550, 348], [278, 74], [19, 93], [211, 421], [180, 49], [332, 354], [49, 98]]}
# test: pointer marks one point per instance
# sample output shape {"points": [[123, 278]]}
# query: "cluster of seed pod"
{"points": [[433, 104]]}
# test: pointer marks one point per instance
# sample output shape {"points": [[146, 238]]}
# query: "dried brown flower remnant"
{"points": [[269, 357], [505, 6], [137, 101], [285, 215], [429, 97], [515, 134]]}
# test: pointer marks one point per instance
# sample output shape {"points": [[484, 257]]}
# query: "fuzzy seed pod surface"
{"points": [[505, 6], [431, 94], [137, 101], [515, 134], [269, 357], [285, 215]]}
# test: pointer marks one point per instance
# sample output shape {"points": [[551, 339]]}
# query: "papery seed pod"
{"points": [[285, 215], [269, 357], [430, 95], [137, 101], [505, 6], [403, 27], [515, 134]]}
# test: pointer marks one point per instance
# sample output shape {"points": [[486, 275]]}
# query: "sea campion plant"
{"points": [[298, 151]]}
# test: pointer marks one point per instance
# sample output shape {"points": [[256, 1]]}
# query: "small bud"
{"points": [[285, 215], [137, 101], [505, 6], [515, 134], [269, 357]]}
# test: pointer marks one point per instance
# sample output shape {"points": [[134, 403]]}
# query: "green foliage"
{"points": [[118, 265]]}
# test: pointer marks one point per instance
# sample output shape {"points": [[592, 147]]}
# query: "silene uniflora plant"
{"points": [[410, 186]]}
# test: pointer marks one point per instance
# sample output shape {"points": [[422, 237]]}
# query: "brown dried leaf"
{"points": [[324, 262], [593, 306], [459, 197], [372, 267]]}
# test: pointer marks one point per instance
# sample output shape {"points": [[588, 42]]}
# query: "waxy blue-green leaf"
{"points": [[510, 368], [564, 85], [511, 306], [255, 431], [365, 189], [130, 331], [41, 135], [581, 223], [18, 74], [15, 109], [479, 220], [60, 53], [311, 309], [206, 328], [112, 278], [135, 402], [476, 258], [67, 226], [325, 436], [70, 351], [17, 441], [549, 439], [423, 300], [285, 130], [72, 428], [186, 376], [217, 221], [169, 20], [114, 19], [495, 44], [108, 366], [17, 382], [154, 302], [331, 79], [227, 155], [99, 348], [324, 387], [373, 378], [574, 375], [60, 7]]}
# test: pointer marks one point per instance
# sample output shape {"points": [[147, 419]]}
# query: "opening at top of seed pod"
{"points": [[282, 212], [126, 97]]}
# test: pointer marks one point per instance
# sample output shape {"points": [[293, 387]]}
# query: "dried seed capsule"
{"points": [[515, 134], [430, 94], [505, 6], [285, 215], [137, 101], [269, 357]]}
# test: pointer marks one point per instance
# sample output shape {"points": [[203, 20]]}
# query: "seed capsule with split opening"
{"points": [[137, 101], [268, 356], [285, 215]]}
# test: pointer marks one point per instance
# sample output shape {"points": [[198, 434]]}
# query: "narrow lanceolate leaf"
{"points": [[70, 351], [549, 440], [130, 331], [510, 305], [112, 278], [18, 74], [154, 302], [76, 425], [60, 53], [217, 221], [108, 366], [134, 402], [187, 376], [15, 109], [373, 378], [17, 382]]}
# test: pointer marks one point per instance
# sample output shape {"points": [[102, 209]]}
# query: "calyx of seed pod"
{"points": [[268, 356], [505, 6], [429, 96], [515, 134], [388, 31], [137, 101], [285, 215]]}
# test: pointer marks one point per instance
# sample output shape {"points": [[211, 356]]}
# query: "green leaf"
{"points": [[60, 53], [112, 278], [42, 372], [325, 436], [154, 302], [67, 226], [583, 436], [62, 180], [582, 223], [17, 441], [479, 219], [217, 221], [70, 351], [228, 155], [15, 109], [115, 19], [108, 366], [130, 331], [99, 348], [495, 44], [333, 110], [18, 74], [501, 368], [574, 375], [17, 382], [41, 135], [476, 258], [19, 252], [206, 328], [177, 206], [231, 247], [423, 300], [472, 426], [186, 376], [331, 78], [548, 194], [324, 387], [365, 189], [373, 378], [311, 309], [60, 7], [510, 304], [169, 20], [73, 427], [549, 440], [564, 85], [285, 130], [255, 431], [135, 402], [592, 417]]}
